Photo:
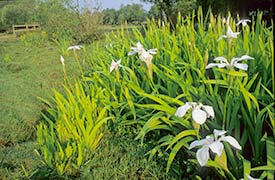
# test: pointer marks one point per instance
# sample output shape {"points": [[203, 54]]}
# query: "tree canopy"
{"points": [[170, 7], [132, 14]]}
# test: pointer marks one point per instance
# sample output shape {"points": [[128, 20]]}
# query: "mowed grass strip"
{"points": [[26, 72]]}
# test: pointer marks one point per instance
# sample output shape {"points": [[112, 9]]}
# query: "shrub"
{"points": [[12, 14]]}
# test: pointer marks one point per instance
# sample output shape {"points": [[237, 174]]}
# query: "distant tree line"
{"points": [[132, 14]]}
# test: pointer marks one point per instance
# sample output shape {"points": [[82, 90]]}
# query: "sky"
{"points": [[104, 4]]}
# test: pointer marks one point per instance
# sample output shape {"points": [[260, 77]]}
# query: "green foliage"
{"points": [[14, 14], [242, 101], [34, 39], [132, 14], [184, 7], [72, 131], [147, 102], [244, 7], [125, 160], [59, 18], [154, 13], [109, 16], [169, 9]]}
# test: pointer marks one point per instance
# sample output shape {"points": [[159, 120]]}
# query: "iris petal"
{"points": [[241, 66], [245, 57], [131, 53], [197, 143], [218, 133], [199, 116], [211, 65], [181, 111], [223, 36], [216, 147], [221, 59], [232, 141], [209, 110], [152, 51], [203, 156]]}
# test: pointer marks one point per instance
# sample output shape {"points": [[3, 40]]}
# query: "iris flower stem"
{"points": [[222, 164], [150, 71], [196, 126], [227, 97], [117, 75], [78, 63], [230, 174], [229, 48], [64, 72]]}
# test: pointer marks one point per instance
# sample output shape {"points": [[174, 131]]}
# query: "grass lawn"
{"points": [[27, 72]]}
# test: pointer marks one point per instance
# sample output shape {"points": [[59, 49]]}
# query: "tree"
{"points": [[15, 13], [109, 16], [184, 7], [169, 9], [58, 18], [164, 6], [154, 12], [131, 14]]}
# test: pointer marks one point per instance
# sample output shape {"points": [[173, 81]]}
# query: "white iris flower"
{"points": [[233, 63], [62, 60], [200, 112], [140, 50], [229, 34], [115, 65], [145, 56], [76, 47], [243, 22], [215, 144]]}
